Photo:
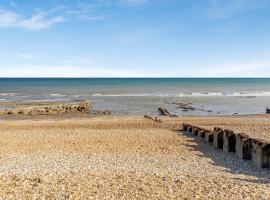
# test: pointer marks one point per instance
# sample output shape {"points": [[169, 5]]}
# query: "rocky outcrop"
{"points": [[165, 112], [81, 107], [156, 119], [102, 112], [187, 107]]}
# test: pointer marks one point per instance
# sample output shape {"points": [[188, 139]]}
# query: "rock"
{"points": [[20, 112], [164, 112], [9, 112], [84, 106], [156, 119], [267, 110], [105, 112]]}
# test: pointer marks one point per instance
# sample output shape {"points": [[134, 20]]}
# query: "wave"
{"points": [[58, 95], [193, 94], [7, 94], [124, 95], [220, 94]]}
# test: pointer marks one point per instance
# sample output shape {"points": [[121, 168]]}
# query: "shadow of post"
{"points": [[229, 161]]}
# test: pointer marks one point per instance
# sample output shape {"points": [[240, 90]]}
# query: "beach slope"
{"points": [[119, 158]]}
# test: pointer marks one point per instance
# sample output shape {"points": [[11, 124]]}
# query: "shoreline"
{"points": [[4, 106]]}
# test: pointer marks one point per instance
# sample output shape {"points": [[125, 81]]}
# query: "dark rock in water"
{"points": [[164, 112], [186, 107], [267, 110], [103, 112]]}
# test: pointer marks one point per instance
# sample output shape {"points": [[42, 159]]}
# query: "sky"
{"points": [[135, 38]]}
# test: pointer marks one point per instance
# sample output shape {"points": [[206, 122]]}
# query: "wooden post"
{"points": [[243, 146], [218, 138], [229, 141]]}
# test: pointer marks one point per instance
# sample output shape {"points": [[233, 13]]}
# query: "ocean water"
{"points": [[137, 96]]}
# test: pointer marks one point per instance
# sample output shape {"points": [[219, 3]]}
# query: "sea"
{"points": [[139, 96]]}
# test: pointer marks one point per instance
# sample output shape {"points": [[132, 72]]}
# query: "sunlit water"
{"points": [[137, 96]]}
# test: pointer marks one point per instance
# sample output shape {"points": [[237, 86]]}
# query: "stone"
{"points": [[84, 106], [164, 112]]}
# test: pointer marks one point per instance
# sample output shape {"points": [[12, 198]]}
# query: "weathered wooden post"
{"points": [[243, 146], [261, 153], [201, 133], [185, 127], [195, 130], [209, 136], [190, 128], [229, 141], [218, 138]]}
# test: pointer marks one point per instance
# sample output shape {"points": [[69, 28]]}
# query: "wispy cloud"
{"points": [[38, 20], [89, 12], [221, 9], [134, 2]]}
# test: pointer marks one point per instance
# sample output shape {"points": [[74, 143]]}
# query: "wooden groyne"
{"points": [[246, 148]]}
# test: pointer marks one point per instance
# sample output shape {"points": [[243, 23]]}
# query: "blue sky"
{"points": [[134, 38]]}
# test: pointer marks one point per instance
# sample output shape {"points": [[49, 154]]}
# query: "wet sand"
{"points": [[125, 158]]}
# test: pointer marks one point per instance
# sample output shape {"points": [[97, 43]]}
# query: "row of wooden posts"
{"points": [[245, 147]]}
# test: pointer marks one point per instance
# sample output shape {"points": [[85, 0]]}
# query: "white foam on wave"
{"points": [[125, 95], [193, 94], [58, 95], [220, 94], [199, 94], [7, 94]]}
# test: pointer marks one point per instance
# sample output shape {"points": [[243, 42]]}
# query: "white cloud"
{"points": [[41, 19], [90, 12], [134, 2], [38, 20]]}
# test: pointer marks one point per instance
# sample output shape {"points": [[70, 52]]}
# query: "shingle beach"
{"points": [[124, 158]]}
